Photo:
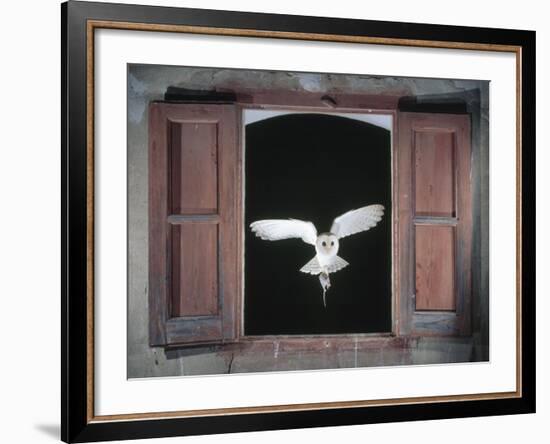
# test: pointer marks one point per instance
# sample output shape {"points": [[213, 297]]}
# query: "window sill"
{"points": [[283, 353]]}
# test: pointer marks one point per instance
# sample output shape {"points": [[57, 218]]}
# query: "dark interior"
{"points": [[316, 167]]}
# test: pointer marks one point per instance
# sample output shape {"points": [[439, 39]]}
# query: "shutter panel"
{"points": [[435, 223], [193, 200]]}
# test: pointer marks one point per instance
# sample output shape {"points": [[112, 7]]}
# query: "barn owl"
{"points": [[326, 260]]}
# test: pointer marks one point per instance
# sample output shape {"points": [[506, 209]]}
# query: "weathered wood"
{"points": [[158, 233], [194, 270], [341, 102], [195, 218], [428, 220], [436, 324], [434, 173], [315, 343], [194, 260], [230, 211], [195, 330], [193, 166], [436, 213], [435, 268], [403, 159], [465, 226], [396, 236]]}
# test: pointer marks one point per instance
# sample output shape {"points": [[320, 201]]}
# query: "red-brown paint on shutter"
{"points": [[194, 167], [194, 211], [435, 223], [435, 268], [194, 270], [434, 173]]}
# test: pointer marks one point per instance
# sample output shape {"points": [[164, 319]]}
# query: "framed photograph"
{"points": [[277, 221]]}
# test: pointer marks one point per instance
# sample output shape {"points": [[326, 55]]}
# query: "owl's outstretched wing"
{"points": [[355, 221], [277, 229]]}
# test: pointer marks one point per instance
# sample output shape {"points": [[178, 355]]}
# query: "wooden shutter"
{"points": [[435, 223], [193, 201]]}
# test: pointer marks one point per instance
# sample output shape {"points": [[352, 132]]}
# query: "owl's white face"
{"points": [[327, 244]]}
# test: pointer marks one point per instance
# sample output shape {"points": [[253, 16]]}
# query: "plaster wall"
{"points": [[147, 83]]}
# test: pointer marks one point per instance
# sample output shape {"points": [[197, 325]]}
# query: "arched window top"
{"points": [[381, 120]]}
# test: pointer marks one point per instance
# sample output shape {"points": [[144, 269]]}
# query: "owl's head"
{"points": [[327, 243]]}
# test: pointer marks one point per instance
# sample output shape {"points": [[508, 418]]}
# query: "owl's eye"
{"points": [[324, 244], [332, 243]]}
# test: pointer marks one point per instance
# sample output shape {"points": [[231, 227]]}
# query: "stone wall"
{"points": [[147, 83]]}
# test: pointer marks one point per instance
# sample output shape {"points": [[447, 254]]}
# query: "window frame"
{"points": [[325, 104], [400, 336]]}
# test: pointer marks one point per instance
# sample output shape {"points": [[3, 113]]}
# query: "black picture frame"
{"points": [[77, 424]]}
